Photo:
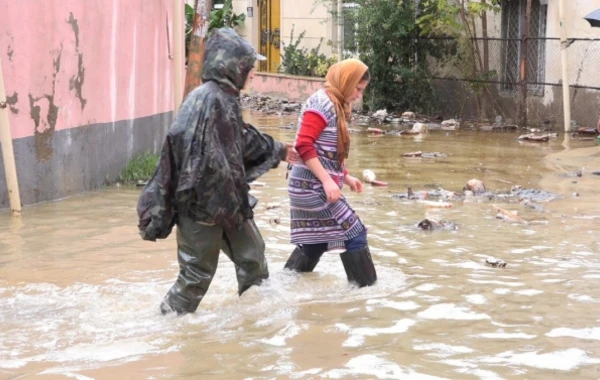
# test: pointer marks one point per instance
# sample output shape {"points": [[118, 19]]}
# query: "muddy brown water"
{"points": [[79, 290]]}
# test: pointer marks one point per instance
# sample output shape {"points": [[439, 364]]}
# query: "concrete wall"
{"points": [[312, 16], [89, 85]]}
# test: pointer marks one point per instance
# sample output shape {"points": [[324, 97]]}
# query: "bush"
{"points": [[297, 60], [387, 41]]}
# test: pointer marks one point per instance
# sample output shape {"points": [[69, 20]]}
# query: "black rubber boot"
{"points": [[299, 262], [359, 266]]}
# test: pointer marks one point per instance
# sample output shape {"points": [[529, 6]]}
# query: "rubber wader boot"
{"points": [[299, 262], [165, 309], [359, 266]]}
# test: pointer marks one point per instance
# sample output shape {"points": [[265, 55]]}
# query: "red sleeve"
{"points": [[311, 127]]}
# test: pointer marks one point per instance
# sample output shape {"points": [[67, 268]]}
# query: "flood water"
{"points": [[79, 289]]}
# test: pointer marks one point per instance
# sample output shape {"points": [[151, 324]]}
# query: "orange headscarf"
{"points": [[340, 82]]}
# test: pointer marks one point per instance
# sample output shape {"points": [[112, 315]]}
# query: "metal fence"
{"points": [[481, 79]]}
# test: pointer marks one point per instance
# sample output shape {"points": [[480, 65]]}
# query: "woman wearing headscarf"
{"points": [[321, 218]]}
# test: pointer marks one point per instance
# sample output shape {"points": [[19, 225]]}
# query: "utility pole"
{"points": [[564, 44], [8, 154], [340, 29], [522, 103], [193, 76], [178, 53]]}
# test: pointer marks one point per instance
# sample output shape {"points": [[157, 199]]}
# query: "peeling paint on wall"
{"points": [[44, 128], [76, 82], [12, 102], [9, 47]]}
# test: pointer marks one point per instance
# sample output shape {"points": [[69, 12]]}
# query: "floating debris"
{"points": [[408, 132], [269, 105], [272, 206], [474, 185], [534, 206], [495, 263], [587, 131], [436, 204], [429, 224], [433, 155], [578, 173], [275, 221], [379, 184], [375, 131], [380, 115], [409, 115], [533, 194], [369, 177], [509, 216], [450, 125], [423, 155], [533, 137]]}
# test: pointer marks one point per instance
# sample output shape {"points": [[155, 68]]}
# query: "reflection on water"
{"points": [[79, 289]]}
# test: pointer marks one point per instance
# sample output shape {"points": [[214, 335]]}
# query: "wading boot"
{"points": [[300, 262], [359, 266]]}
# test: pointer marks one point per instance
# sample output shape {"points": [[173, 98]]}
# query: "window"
{"points": [[350, 29], [513, 20]]}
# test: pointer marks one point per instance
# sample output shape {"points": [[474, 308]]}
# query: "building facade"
{"points": [[89, 85]]}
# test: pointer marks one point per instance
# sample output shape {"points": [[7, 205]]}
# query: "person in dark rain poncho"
{"points": [[201, 182]]}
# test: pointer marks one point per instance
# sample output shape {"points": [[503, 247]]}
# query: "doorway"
{"points": [[270, 34]]}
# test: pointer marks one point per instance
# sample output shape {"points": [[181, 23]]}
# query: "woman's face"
{"points": [[358, 91]]}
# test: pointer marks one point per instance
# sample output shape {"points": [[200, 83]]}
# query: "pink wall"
{"points": [[295, 89], [70, 63], [292, 88]]}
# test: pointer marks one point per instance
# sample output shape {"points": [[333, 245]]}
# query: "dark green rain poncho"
{"points": [[210, 155], [201, 182]]}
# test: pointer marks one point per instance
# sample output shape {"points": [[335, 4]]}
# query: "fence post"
{"points": [[522, 103], [564, 63]]}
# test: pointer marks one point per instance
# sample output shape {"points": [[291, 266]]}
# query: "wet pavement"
{"points": [[79, 290]]}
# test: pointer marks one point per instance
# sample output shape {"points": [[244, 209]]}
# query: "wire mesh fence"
{"points": [[515, 78]]}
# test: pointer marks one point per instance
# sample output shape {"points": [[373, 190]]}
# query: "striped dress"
{"points": [[313, 219]]}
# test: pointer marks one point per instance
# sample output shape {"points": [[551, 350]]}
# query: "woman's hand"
{"points": [[332, 190], [354, 183]]}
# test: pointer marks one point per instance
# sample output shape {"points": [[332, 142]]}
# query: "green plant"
{"points": [[297, 60], [225, 17], [387, 41], [140, 168]]}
